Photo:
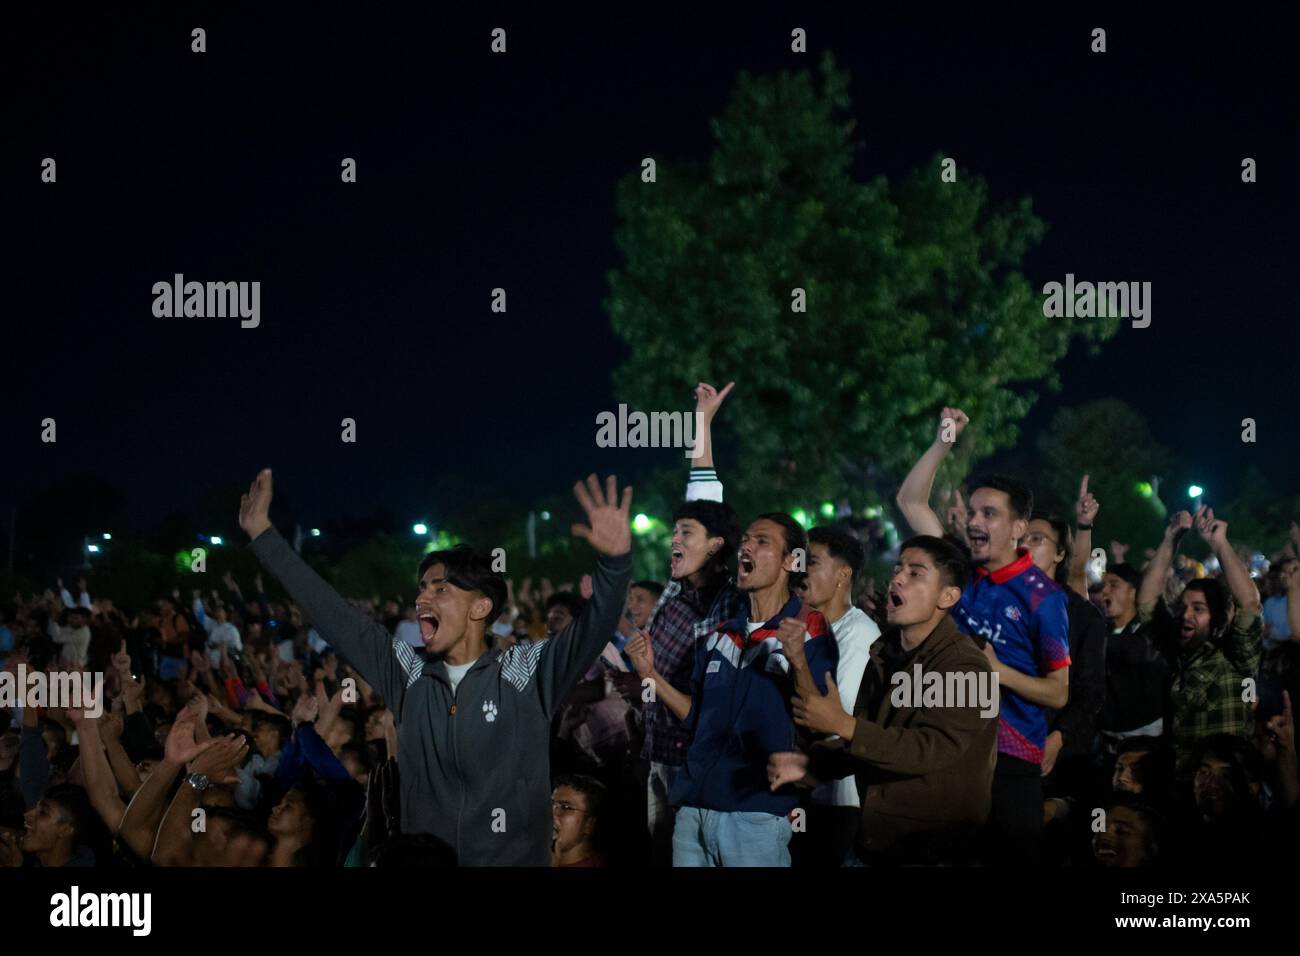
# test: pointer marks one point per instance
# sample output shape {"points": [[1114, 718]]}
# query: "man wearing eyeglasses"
{"points": [[576, 804]]}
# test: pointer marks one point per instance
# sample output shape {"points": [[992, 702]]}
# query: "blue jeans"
{"points": [[714, 838]]}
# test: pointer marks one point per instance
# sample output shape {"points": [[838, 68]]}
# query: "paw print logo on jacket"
{"points": [[489, 711]]}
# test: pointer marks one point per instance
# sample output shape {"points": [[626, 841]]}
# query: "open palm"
{"points": [[607, 529], [255, 507]]}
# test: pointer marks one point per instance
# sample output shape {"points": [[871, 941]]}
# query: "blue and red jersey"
{"points": [[1024, 614]]}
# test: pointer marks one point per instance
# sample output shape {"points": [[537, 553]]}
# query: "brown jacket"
{"points": [[925, 773]]}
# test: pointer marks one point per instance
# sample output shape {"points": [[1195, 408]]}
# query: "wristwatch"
{"points": [[199, 781]]}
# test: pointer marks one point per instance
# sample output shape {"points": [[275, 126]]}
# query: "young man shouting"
{"points": [[1018, 615], [475, 763], [924, 768], [738, 708]]}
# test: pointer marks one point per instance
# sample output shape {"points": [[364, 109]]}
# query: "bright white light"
{"points": [[93, 549], [420, 528], [216, 539], [107, 536], [1195, 491], [315, 532]]}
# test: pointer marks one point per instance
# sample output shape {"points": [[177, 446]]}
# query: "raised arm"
{"points": [[913, 497], [1085, 513], [1215, 533], [139, 829], [100, 785], [563, 659], [702, 482], [1153, 578], [364, 642], [1293, 600]]}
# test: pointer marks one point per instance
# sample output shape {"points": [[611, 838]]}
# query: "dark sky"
{"points": [[478, 171]]}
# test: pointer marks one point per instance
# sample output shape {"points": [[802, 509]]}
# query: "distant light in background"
{"points": [[546, 516], [1144, 489], [315, 532], [1195, 491], [800, 516], [107, 536], [216, 539], [828, 509], [420, 528], [93, 549], [641, 524]]}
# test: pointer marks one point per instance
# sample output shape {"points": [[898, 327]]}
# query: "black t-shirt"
{"points": [[1136, 679]]}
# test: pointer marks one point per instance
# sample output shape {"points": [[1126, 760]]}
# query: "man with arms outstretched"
{"points": [[473, 723]]}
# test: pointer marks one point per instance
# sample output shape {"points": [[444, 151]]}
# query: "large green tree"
{"points": [[1111, 442], [914, 300]]}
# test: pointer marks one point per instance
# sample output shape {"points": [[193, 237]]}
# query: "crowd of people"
{"points": [[762, 706]]}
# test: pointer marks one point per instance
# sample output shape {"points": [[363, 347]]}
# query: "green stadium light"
{"points": [[642, 524], [800, 516], [1144, 489], [828, 509]]}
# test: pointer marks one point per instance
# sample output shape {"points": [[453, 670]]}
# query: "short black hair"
{"points": [[592, 789], [841, 543], [277, 722], [1019, 495], [74, 806], [573, 602], [469, 570], [793, 535], [954, 570], [1064, 541], [720, 521], [654, 587]]}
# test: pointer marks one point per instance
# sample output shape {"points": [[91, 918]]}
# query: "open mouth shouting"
{"points": [[428, 627], [979, 540], [676, 561], [893, 600], [744, 567]]}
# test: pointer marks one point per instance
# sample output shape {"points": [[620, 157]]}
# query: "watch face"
{"points": [[199, 781]]}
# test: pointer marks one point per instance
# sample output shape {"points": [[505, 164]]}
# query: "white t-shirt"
{"points": [[854, 635], [455, 672]]}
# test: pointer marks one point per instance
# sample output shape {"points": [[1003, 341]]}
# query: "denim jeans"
{"points": [[714, 838]]}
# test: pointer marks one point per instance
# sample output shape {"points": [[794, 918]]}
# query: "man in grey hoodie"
{"points": [[475, 766]]}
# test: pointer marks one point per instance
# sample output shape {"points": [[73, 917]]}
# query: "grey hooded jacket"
{"points": [[474, 765]]}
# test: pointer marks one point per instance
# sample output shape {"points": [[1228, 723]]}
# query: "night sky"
{"points": [[477, 171]]}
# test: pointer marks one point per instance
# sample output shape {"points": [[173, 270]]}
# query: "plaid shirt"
{"points": [[1205, 681], [678, 621]]}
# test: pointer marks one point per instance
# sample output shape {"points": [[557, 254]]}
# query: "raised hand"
{"points": [[1118, 550], [1086, 507], [305, 710], [958, 513], [585, 587], [181, 747], [1180, 522], [708, 399], [952, 422], [784, 768], [1212, 531], [220, 761], [642, 656], [255, 507], [607, 530]]}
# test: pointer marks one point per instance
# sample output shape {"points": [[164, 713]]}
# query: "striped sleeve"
{"points": [[702, 484]]}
